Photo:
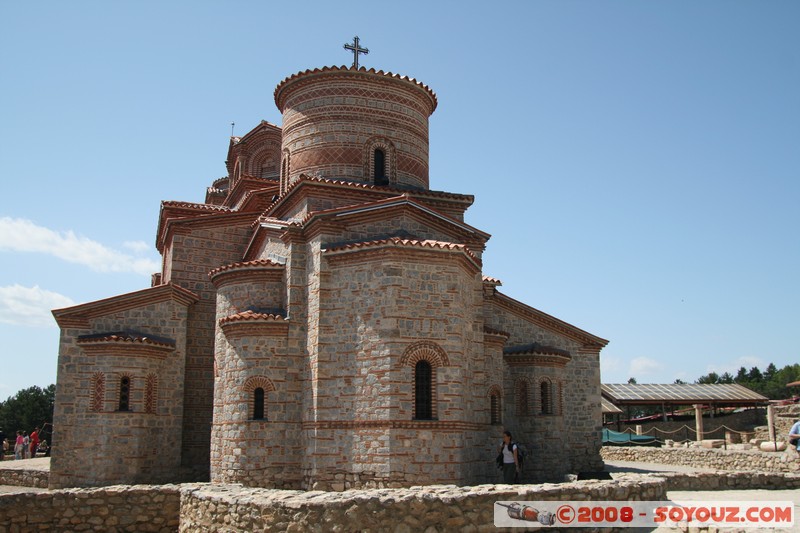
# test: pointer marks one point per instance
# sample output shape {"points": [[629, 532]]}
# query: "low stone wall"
{"points": [[24, 478], [698, 481], [741, 460], [147, 508], [208, 507]]}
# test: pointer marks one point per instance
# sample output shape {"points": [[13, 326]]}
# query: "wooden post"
{"points": [[698, 420]]}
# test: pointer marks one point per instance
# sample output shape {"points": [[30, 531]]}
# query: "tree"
{"points": [[726, 378], [27, 409], [755, 376], [632, 381], [710, 378], [679, 382]]}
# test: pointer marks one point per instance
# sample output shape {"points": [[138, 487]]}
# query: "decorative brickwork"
{"points": [[151, 394], [98, 392], [322, 322]]}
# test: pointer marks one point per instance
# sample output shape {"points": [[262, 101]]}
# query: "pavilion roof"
{"points": [[681, 394]]}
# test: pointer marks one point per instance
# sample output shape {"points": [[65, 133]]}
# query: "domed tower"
{"points": [[355, 124]]}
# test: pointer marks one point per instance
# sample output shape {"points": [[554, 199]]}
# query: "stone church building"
{"points": [[323, 321]]}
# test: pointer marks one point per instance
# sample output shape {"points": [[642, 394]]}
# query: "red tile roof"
{"points": [[397, 241], [250, 316], [126, 337], [493, 281], [256, 264]]}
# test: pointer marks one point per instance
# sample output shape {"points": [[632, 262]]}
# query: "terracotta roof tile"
{"points": [[193, 206], [303, 178], [256, 264], [126, 337], [491, 280], [250, 316], [397, 241]]}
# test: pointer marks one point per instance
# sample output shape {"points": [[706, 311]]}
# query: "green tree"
{"points": [[632, 381], [710, 378], [726, 378], [27, 409]]}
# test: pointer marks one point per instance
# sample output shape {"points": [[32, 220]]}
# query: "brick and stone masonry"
{"points": [[323, 321]]}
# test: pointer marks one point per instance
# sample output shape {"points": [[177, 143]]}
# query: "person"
{"points": [[510, 458], [19, 453], [3, 445], [794, 433], [26, 445], [34, 442]]}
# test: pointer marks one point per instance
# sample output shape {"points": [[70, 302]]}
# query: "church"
{"points": [[322, 321]]}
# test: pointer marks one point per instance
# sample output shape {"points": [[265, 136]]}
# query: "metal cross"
{"points": [[356, 50]]}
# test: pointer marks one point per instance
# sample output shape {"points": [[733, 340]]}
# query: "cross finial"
{"points": [[356, 50]]}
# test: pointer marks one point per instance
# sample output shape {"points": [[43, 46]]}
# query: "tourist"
{"points": [[19, 452], [34, 442], [3, 445], [794, 436], [510, 458], [26, 445]]}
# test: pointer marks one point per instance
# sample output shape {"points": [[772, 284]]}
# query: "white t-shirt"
{"points": [[508, 456]]}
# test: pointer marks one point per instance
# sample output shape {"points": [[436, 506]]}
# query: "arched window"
{"points": [[380, 176], [423, 391], [494, 408], [522, 398], [125, 394], [547, 398], [258, 404]]}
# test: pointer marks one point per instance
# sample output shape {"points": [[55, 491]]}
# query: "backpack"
{"points": [[520, 454]]}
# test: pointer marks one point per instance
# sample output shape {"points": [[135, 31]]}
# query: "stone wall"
{"points": [[741, 460], [432, 508], [215, 507], [24, 478], [139, 508]]}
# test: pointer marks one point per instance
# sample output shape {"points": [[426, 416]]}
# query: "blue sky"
{"points": [[636, 162]]}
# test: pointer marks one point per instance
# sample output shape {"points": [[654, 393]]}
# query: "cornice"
{"points": [[78, 316], [350, 72]]}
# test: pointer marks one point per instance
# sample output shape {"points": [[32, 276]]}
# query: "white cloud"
{"points": [[644, 366], [20, 235], [139, 247], [30, 306]]}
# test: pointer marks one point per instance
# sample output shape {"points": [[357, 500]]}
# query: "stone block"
{"points": [[712, 443], [772, 446]]}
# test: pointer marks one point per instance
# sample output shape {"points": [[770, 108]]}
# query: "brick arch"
{"points": [[424, 351], [522, 395], [382, 143], [254, 382], [494, 390], [124, 400], [545, 396], [271, 150], [249, 388]]}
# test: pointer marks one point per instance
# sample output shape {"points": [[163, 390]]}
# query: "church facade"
{"points": [[322, 321]]}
